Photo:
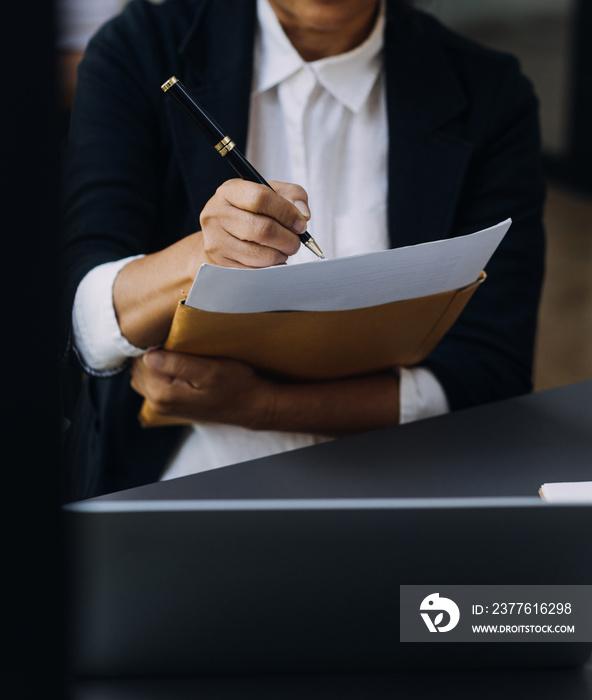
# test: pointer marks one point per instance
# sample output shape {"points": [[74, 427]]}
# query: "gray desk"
{"points": [[504, 449], [469, 685], [507, 448]]}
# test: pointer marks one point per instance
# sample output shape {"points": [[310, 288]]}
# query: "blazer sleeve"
{"points": [[118, 151], [488, 354]]}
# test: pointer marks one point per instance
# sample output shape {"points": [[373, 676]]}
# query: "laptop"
{"points": [[173, 587]]}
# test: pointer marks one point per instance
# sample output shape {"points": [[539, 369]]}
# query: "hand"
{"points": [[231, 392], [244, 225], [250, 225], [202, 388]]}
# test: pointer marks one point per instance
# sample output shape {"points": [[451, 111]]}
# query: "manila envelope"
{"points": [[317, 345]]}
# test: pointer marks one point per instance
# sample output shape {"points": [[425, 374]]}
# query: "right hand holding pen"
{"points": [[244, 225], [250, 225]]}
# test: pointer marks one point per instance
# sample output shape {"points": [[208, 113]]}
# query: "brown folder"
{"points": [[316, 345]]}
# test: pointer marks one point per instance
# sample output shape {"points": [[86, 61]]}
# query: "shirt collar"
{"points": [[349, 77]]}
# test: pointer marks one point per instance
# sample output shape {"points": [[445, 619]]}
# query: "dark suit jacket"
{"points": [[464, 154]]}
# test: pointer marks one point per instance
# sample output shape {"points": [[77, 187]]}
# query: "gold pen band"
{"points": [[169, 83], [225, 146]]}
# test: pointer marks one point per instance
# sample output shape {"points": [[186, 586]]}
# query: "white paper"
{"points": [[567, 492], [353, 282]]}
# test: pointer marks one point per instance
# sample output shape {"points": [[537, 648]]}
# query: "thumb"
{"points": [[295, 194], [302, 207]]}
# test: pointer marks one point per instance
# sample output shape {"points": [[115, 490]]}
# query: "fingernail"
{"points": [[302, 208], [153, 359]]}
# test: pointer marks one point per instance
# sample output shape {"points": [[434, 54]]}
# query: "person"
{"points": [[377, 127]]}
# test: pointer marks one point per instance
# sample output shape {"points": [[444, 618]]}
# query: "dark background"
{"points": [[32, 591]]}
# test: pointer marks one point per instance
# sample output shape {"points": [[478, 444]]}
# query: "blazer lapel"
{"points": [[426, 163], [217, 57]]}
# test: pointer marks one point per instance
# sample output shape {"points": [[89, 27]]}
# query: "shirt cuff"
{"points": [[100, 346], [78, 20], [420, 395]]}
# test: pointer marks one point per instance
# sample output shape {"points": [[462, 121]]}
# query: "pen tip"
{"points": [[312, 245]]}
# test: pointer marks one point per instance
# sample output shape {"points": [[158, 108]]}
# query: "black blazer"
{"points": [[463, 154]]}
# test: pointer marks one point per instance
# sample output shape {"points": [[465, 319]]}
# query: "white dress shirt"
{"points": [[329, 126]]}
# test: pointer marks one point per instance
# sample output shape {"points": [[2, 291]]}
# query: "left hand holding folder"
{"points": [[198, 388], [202, 388]]}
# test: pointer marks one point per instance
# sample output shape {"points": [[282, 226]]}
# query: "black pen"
{"points": [[223, 144]]}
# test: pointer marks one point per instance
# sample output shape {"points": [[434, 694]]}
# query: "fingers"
{"points": [[201, 388], [157, 370], [167, 381], [250, 225], [193, 369]]}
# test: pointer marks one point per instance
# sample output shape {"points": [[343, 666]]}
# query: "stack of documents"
{"points": [[333, 318], [567, 492]]}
